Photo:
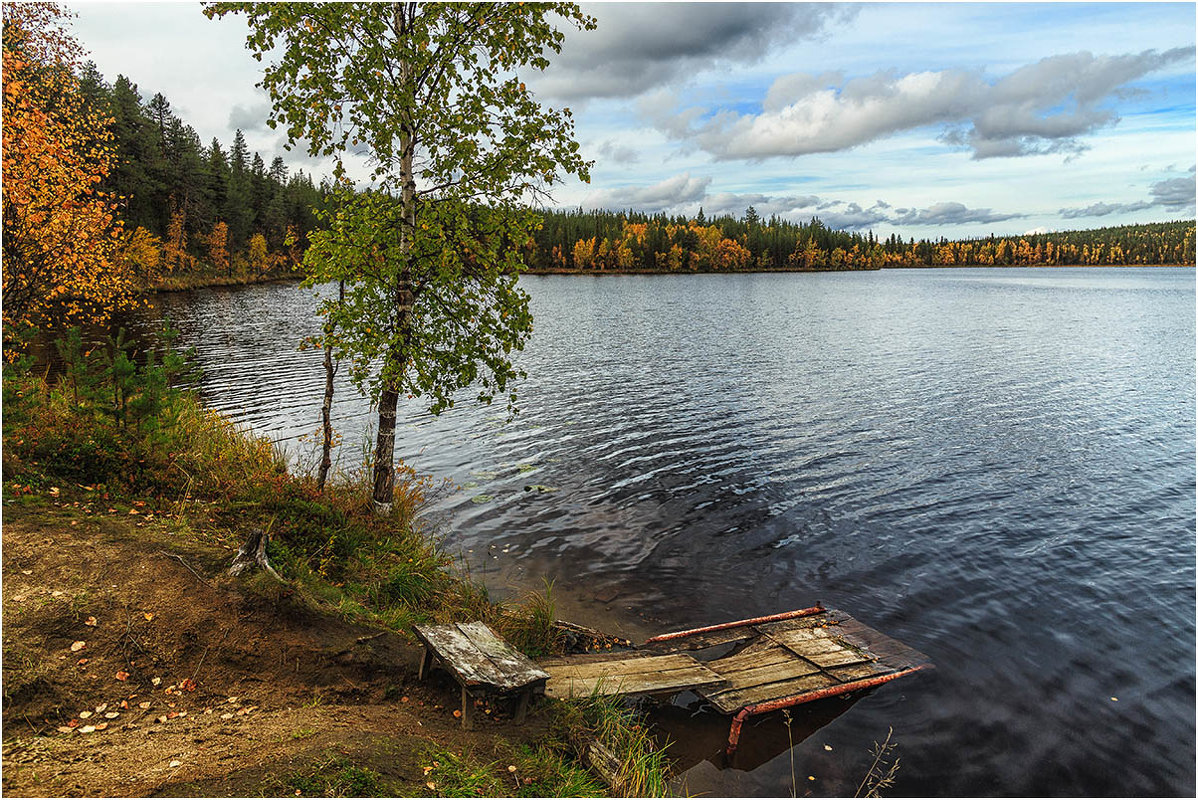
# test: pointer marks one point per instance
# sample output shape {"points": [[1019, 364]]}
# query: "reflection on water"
{"points": [[993, 466]]}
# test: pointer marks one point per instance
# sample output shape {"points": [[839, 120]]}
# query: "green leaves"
{"points": [[430, 254]]}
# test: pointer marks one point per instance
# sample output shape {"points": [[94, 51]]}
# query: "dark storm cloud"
{"points": [[643, 46], [1043, 107]]}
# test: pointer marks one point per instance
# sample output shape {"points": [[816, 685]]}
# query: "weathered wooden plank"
{"points": [[841, 657], [516, 669], [818, 621], [591, 658], [892, 651], [468, 664], [786, 670], [644, 683], [702, 640], [624, 666], [853, 672], [731, 701], [800, 635], [763, 654], [814, 647]]}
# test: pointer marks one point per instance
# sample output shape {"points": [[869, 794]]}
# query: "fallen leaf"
{"points": [[403, 699], [82, 661], [121, 675], [146, 704], [84, 714], [54, 491], [73, 723], [232, 700], [810, 777], [112, 715], [77, 646], [175, 763], [101, 707], [1114, 699], [91, 621], [26, 572], [148, 615], [427, 770], [160, 719], [827, 747], [431, 785], [155, 681], [101, 726], [226, 716], [87, 729], [457, 712], [133, 511], [187, 685], [172, 715], [65, 729], [511, 767], [124, 704]]}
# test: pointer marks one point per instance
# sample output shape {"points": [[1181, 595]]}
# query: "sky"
{"points": [[921, 119]]}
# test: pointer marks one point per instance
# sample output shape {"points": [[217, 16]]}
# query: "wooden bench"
{"points": [[482, 663]]}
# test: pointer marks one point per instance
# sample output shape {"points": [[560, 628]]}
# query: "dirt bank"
{"points": [[134, 666]]}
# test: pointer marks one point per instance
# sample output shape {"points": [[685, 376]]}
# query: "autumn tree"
{"points": [[62, 237], [218, 245], [459, 146]]}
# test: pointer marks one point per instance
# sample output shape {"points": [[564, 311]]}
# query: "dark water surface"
{"points": [[994, 466]]}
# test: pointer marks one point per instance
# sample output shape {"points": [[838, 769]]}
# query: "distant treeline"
{"points": [[196, 210], [631, 241]]}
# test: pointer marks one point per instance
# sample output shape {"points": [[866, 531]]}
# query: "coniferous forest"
{"points": [[629, 241], [197, 213], [194, 211]]}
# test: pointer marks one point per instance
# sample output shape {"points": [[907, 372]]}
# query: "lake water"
{"points": [[994, 466]]}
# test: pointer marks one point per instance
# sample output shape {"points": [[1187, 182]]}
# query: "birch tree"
{"points": [[432, 94]]}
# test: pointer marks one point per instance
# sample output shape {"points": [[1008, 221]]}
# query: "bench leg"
{"points": [[522, 706], [467, 711], [426, 664]]}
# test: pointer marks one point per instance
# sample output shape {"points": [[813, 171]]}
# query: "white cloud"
{"points": [[1040, 108]]}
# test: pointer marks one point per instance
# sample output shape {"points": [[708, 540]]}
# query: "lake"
{"points": [[995, 466]]}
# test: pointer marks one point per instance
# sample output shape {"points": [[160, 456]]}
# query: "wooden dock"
{"points": [[746, 667]]}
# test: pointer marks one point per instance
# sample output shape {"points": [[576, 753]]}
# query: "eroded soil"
{"points": [[189, 683]]}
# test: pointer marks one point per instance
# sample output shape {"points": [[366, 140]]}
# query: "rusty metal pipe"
{"points": [[787, 702], [734, 731], [802, 612]]}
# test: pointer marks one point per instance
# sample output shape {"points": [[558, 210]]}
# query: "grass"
{"points": [[332, 551], [332, 775], [524, 771], [644, 767]]}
